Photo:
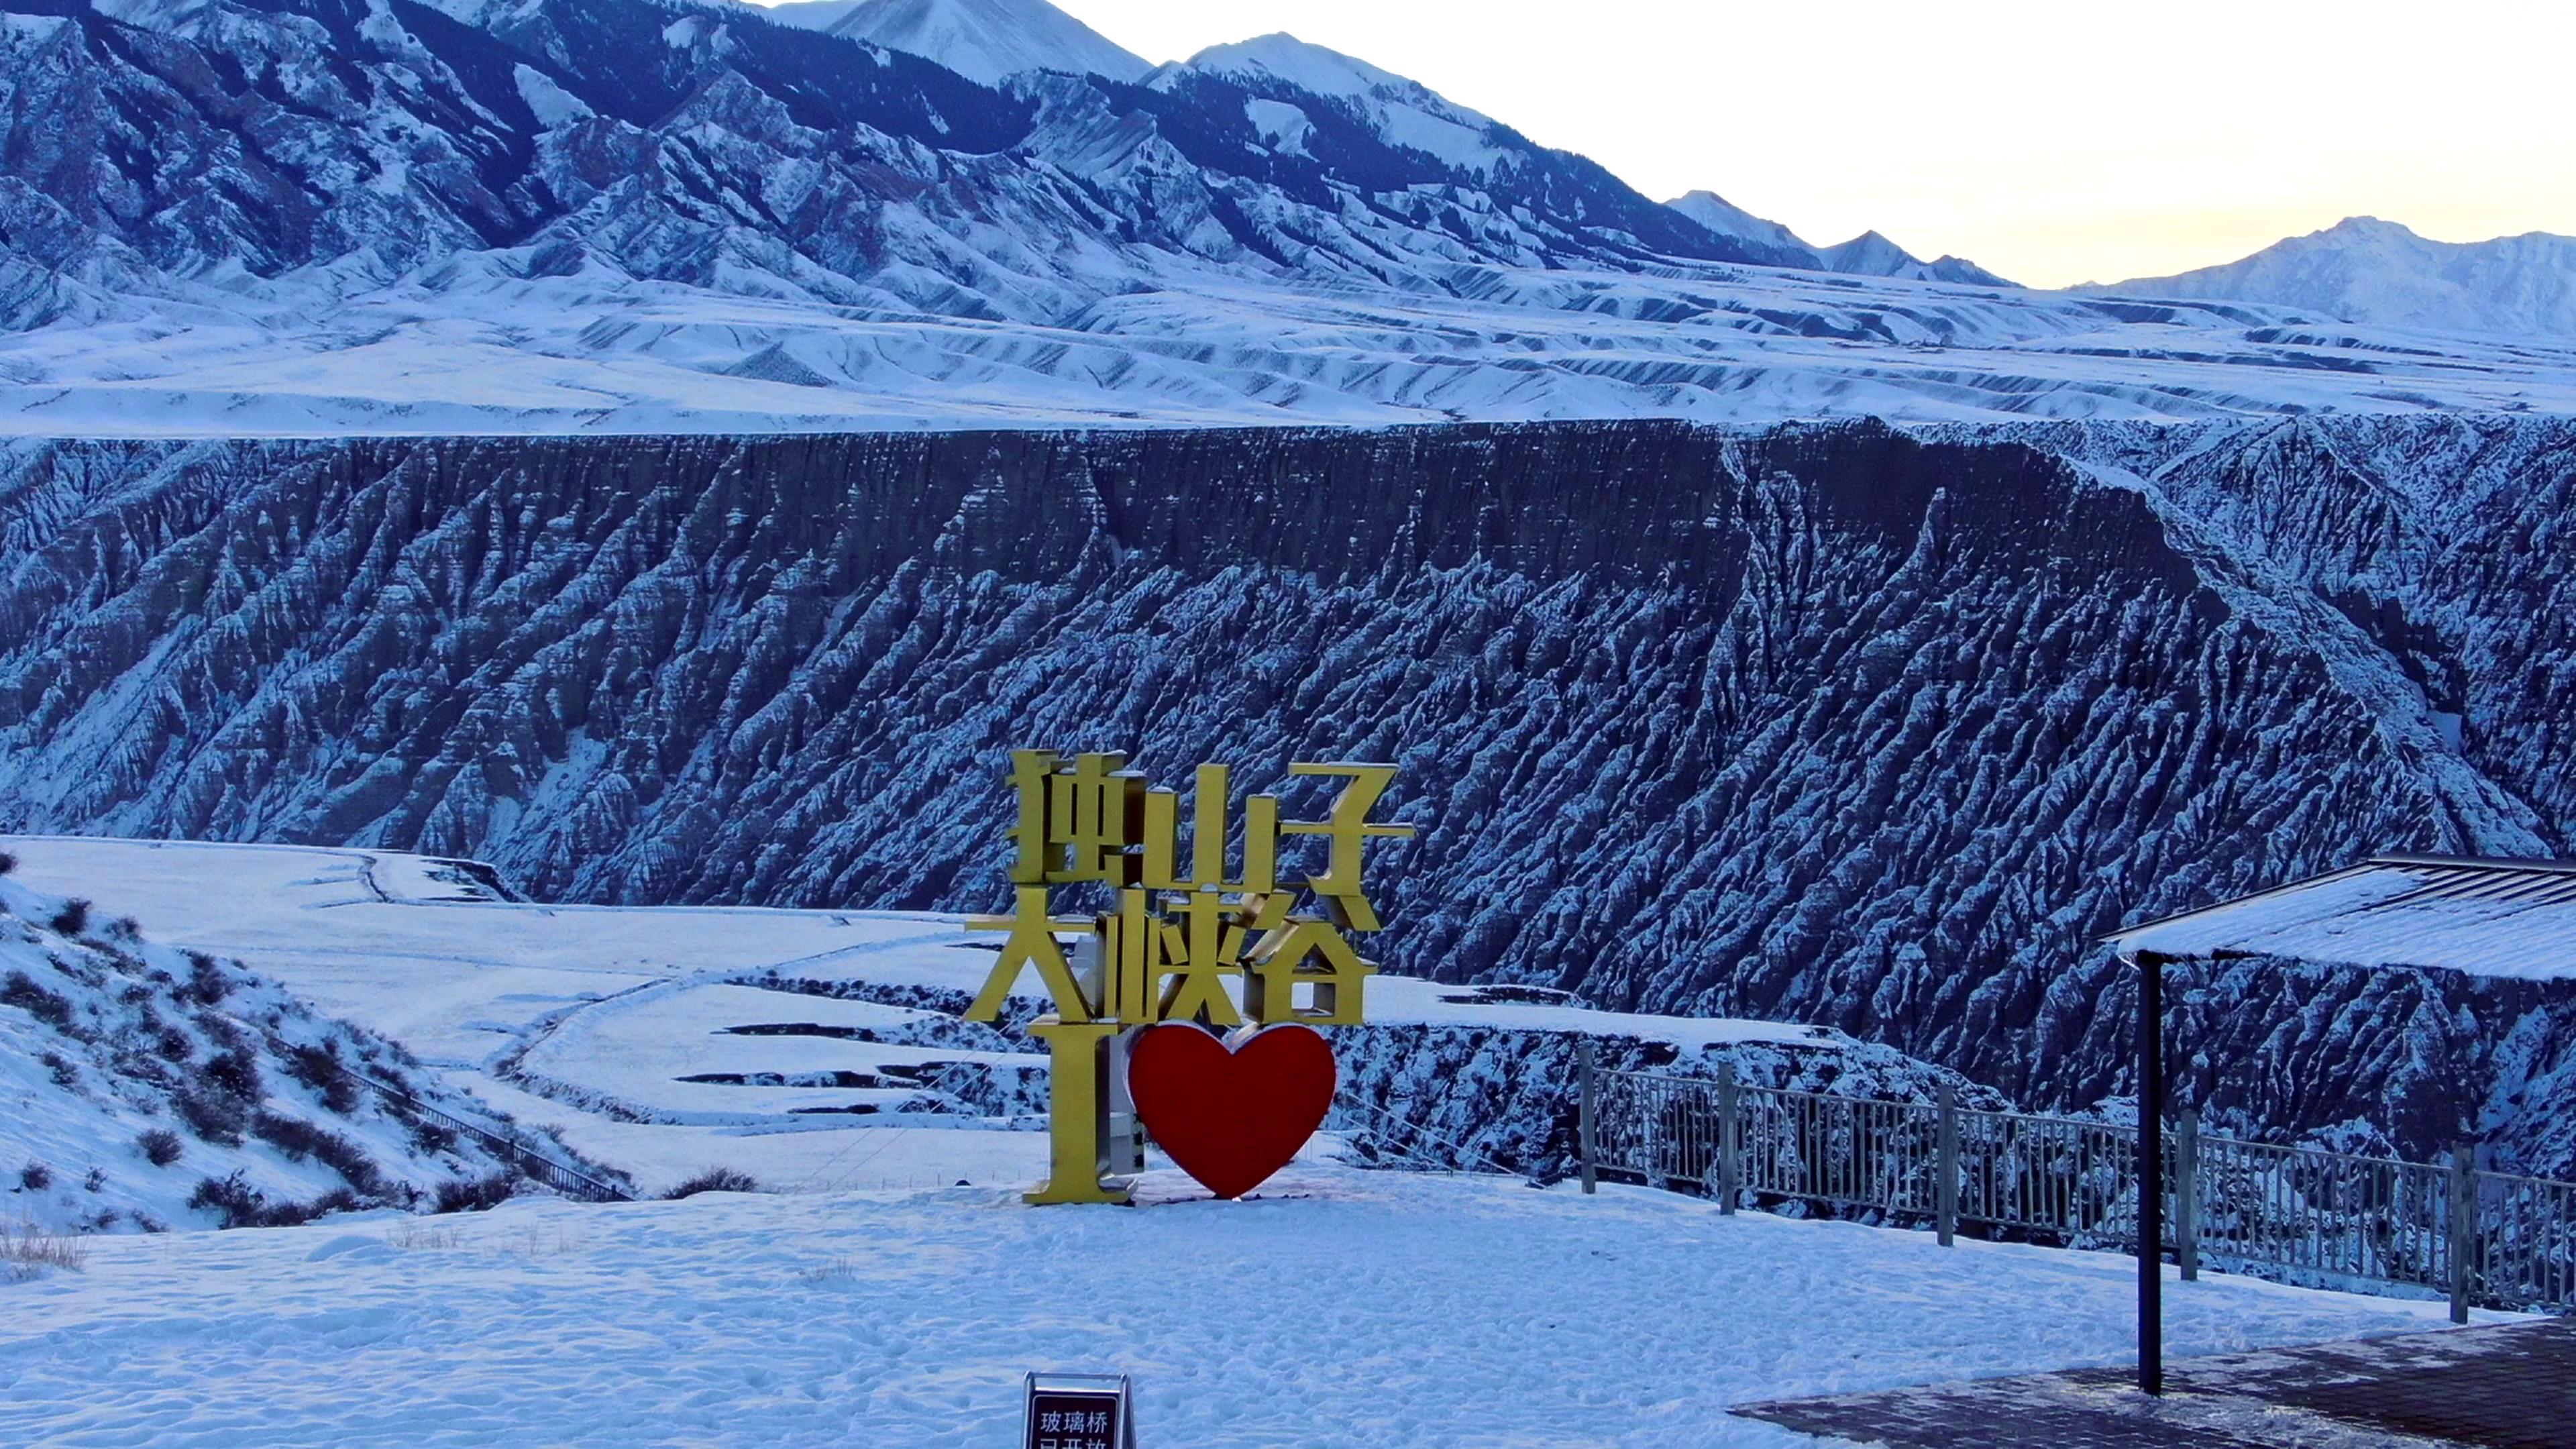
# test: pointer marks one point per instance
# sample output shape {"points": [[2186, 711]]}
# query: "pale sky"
{"points": [[2054, 143]]}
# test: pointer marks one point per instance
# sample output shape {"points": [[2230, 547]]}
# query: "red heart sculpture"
{"points": [[1230, 1117]]}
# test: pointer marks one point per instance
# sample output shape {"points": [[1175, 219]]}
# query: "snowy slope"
{"points": [[1343, 1309], [2366, 270], [148, 1088], [983, 40]]}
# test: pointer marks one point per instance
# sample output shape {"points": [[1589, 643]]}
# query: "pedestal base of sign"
{"points": [[1122, 1150], [1077, 1118]]}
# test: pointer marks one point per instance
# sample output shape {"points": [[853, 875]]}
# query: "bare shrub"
{"points": [[318, 1067], [123, 928], [73, 918], [300, 1139], [714, 1179], [20, 990], [414, 1237], [835, 1270], [430, 1137], [476, 1194], [8, 862], [240, 1204], [160, 1146], [35, 1177], [206, 982], [236, 1072], [213, 1116], [26, 1253], [244, 1206]]}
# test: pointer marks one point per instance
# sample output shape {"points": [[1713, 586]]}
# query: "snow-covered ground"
{"points": [[815, 1050], [901, 1291], [1340, 1308]]}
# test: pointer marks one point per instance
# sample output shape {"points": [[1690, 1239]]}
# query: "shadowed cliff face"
{"points": [[1830, 725]]}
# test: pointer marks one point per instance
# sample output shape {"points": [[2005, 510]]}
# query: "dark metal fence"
{"points": [[2323, 1218], [523, 1159]]}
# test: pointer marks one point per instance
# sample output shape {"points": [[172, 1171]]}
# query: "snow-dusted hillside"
{"points": [[1820, 725], [2377, 272], [563, 216], [147, 1088]]}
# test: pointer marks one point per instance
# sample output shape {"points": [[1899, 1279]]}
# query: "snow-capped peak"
{"points": [[1727, 219], [1328, 72], [1403, 112], [2363, 269], [1872, 255], [982, 40]]}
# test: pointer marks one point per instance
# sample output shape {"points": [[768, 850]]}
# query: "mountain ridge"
{"points": [[319, 216], [2366, 270]]}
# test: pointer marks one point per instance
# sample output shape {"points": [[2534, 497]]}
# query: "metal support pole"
{"points": [[2464, 1232], [1728, 1139], [2151, 1173], [1945, 1190], [1583, 1058], [2187, 1194]]}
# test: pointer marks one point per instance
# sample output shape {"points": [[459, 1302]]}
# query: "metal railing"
{"points": [[526, 1161], [2323, 1218]]}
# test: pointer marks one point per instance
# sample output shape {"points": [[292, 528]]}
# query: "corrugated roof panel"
{"points": [[2512, 919]]}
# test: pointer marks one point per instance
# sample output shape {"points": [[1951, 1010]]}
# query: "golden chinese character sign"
{"points": [[1178, 946]]}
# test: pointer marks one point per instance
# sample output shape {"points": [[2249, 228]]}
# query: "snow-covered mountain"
{"points": [[983, 40], [628, 215], [1872, 255], [2366, 270], [1866, 255], [1728, 219]]}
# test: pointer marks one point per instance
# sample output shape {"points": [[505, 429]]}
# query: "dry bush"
{"points": [[714, 1179], [160, 1146], [423, 1237], [841, 1269], [26, 1253]]}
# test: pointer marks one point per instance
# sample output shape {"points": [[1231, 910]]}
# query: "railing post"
{"points": [[1945, 1191], [2187, 1194], [1583, 1057], [2464, 1231], [1728, 1139]]}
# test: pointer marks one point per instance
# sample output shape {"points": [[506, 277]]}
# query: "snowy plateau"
{"points": [[896, 1288]]}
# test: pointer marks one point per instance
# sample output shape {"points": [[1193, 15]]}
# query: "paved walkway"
{"points": [[2512, 1386]]}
